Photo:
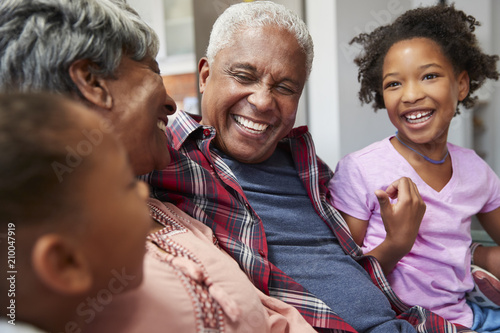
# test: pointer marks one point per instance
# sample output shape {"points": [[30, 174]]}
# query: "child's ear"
{"points": [[60, 265], [463, 85], [93, 87], [204, 73]]}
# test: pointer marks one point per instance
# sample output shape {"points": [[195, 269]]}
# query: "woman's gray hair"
{"points": [[40, 39], [258, 14]]}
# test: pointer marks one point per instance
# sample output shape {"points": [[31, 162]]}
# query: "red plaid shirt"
{"points": [[204, 187]]}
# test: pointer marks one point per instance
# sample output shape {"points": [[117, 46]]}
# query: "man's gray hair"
{"points": [[256, 14], [40, 39]]}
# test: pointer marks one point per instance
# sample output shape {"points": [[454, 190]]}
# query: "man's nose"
{"points": [[262, 98]]}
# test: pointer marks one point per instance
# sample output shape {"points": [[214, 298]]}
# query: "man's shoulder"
{"points": [[297, 132], [181, 128], [182, 119]]}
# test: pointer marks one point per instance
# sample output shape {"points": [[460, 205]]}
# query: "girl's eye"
{"points": [[391, 85], [430, 76]]}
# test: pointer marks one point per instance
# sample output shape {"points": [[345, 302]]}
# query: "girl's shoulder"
{"points": [[466, 158], [462, 152], [376, 152], [375, 157], [373, 148], [453, 148]]}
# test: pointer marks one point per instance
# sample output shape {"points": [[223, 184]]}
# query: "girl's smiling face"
{"points": [[421, 90]]}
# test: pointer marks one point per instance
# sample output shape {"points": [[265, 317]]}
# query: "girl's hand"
{"points": [[401, 221]]}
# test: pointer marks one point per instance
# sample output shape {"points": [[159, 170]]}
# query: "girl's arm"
{"points": [[401, 221], [356, 226], [488, 257]]}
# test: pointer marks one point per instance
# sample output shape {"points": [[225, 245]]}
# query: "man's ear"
{"points": [[92, 87], [60, 265], [463, 85], [204, 73]]}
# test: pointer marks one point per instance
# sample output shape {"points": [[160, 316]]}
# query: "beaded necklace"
{"points": [[428, 159]]}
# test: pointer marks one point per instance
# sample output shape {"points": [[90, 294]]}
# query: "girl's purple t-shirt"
{"points": [[437, 270]]}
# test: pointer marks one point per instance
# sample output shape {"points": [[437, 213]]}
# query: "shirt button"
{"points": [[262, 254], [206, 132]]}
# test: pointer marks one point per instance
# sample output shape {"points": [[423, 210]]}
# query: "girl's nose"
{"points": [[412, 92]]}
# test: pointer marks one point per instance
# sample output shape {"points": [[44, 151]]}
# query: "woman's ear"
{"points": [[60, 265], [463, 85], [204, 73], [92, 87]]}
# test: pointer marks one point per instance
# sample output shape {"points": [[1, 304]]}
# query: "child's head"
{"points": [[451, 29], [76, 215]]}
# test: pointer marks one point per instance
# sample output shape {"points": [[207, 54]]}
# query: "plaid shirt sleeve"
{"points": [[201, 184]]}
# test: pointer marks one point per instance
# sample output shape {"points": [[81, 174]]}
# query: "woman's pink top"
{"points": [[191, 285]]}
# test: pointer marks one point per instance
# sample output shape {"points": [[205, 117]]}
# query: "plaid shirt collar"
{"points": [[185, 124]]}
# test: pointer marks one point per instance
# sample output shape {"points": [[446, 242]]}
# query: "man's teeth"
{"points": [[248, 124], [416, 118], [161, 125]]}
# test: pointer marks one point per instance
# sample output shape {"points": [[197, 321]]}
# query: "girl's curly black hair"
{"points": [[450, 28]]}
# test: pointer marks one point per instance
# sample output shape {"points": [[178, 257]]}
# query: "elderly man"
{"points": [[258, 184]]}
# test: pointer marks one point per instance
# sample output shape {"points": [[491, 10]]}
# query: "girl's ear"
{"points": [[204, 73], [463, 85], [60, 265], [92, 87]]}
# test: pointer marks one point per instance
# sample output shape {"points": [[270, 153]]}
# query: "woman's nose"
{"points": [[170, 105]]}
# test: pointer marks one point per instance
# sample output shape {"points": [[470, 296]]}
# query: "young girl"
{"points": [[74, 216], [420, 68]]}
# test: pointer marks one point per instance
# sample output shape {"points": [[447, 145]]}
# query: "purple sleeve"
{"points": [[349, 191], [494, 190]]}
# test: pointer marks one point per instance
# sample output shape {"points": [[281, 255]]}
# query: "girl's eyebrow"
{"points": [[421, 67], [430, 65], [389, 74]]}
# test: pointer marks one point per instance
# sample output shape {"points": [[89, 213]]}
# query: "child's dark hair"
{"points": [[35, 130], [450, 28]]}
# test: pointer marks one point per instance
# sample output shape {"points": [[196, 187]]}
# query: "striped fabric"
{"points": [[205, 188]]}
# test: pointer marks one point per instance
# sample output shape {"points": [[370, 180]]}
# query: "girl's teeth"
{"points": [[419, 117]]}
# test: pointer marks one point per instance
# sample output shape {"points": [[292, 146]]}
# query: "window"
{"points": [[173, 22]]}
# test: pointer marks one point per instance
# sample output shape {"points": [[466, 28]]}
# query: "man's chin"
{"points": [[251, 158]]}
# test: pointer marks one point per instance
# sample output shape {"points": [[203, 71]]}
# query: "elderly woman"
{"points": [[102, 54]]}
